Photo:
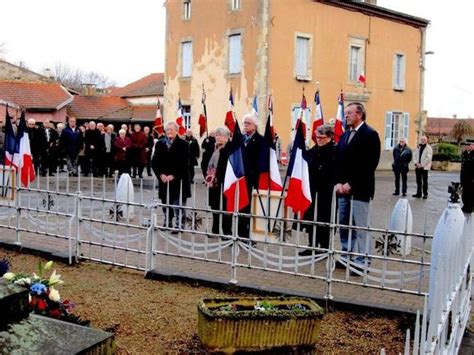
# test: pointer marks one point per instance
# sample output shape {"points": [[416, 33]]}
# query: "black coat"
{"points": [[401, 158], [250, 155], [93, 137], [173, 161], [467, 181], [356, 161], [194, 151], [207, 145]]}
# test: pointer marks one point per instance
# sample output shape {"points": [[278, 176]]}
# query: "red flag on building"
{"points": [[229, 117]]}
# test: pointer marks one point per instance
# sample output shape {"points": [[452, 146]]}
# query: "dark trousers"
{"points": [[109, 165], [421, 181], [148, 162], [219, 219], [397, 181], [323, 215]]}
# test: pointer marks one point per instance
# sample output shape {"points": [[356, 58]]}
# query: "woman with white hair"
{"points": [[122, 146]]}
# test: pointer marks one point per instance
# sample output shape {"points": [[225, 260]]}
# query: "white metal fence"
{"points": [[91, 220]]}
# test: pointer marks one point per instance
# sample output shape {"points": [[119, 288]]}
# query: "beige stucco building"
{"points": [[280, 46]]}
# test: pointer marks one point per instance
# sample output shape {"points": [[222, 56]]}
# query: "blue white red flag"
{"points": [[298, 195], [17, 149], [234, 180], [180, 118], [340, 118], [318, 115], [229, 116], [269, 175], [301, 116], [255, 106]]}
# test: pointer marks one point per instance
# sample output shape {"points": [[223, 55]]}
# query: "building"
{"points": [[42, 98], [280, 47], [439, 128]]}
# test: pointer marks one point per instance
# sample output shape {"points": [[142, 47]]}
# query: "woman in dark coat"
{"points": [[215, 181], [138, 151], [122, 146], [207, 145], [170, 165], [321, 164]]}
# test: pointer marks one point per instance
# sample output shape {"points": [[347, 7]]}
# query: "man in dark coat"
{"points": [[467, 179], [194, 153], [70, 143], [208, 146], [37, 143], [357, 157], [170, 165], [149, 148], [251, 145], [49, 161], [401, 159], [93, 148]]}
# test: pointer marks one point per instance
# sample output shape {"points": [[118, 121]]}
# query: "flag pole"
{"points": [[204, 108]]}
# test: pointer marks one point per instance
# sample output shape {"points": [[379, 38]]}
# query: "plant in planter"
{"points": [[44, 297], [245, 324]]}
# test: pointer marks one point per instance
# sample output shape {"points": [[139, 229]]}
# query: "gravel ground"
{"points": [[154, 317]]}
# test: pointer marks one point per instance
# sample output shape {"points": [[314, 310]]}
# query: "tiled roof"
{"points": [[151, 85], [439, 126], [35, 95], [109, 108]]}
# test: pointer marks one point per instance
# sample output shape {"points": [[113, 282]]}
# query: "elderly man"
{"points": [[357, 157], [422, 158], [170, 165], [252, 142], [93, 144], [70, 143], [401, 159]]}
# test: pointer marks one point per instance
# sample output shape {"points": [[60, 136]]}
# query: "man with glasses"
{"points": [[357, 157]]}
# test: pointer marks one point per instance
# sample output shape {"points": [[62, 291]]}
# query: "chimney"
{"points": [[88, 89]]}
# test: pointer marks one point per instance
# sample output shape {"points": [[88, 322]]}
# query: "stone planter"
{"points": [[245, 329], [446, 166]]}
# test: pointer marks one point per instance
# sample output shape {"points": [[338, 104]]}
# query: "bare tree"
{"points": [[461, 130], [74, 77]]}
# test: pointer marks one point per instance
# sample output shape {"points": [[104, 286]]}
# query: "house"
{"points": [[259, 47], [439, 128], [42, 98], [144, 91]]}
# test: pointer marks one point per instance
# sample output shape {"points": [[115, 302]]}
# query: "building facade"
{"points": [[259, 47]]}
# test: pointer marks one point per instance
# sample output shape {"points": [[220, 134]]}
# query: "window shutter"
{"points": [[394, 72], [187, 49], [406, 125], [234, 53], [402, 72], [388, 131], [302, 56]]}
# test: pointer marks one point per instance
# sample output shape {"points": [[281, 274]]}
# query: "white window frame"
{"points": [[399, 71], [397, 125], [186, 9], [235, 5], [186, 63], [303, 57], [235, 53], [187, 116], [356, 65]]}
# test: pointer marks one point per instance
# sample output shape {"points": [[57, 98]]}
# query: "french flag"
{"points": [[301, 116], [158, 124], [180, 119], [229, 116], [340, 118], [318, 116], [298, 196], [234, 180], [269, 175], [17, 149]]}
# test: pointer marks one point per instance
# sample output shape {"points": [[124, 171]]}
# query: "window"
{"points": [[235, 53], [187, 116], [302, 58], [186, 9], [356, 58], [187, 59], [399, 72], [396, 127], [235, 5]]}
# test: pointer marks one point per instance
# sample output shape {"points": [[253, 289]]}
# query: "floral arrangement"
{"points": [[263, 306], [44, 297]]}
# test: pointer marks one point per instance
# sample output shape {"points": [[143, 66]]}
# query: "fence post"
{"points": [[235, 241], [78, 217], [331, 262], [18, 210], [150, 243]]}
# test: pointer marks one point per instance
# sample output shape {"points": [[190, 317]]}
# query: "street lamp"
{"points": [[422, 115]]}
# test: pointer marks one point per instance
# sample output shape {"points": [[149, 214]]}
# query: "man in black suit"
{"points": [[170, 165], [252, 141], [358, 154], [50, 153]]}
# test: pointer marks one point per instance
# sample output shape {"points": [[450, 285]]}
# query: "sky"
{"points": [[124, 40]]}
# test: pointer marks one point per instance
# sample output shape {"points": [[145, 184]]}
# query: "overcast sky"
{"points": [[124, 40]]}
